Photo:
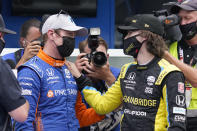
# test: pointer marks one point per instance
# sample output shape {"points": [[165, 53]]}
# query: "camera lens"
{"points": [[99, 59]]}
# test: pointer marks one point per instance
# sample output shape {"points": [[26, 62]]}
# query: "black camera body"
{"points": [[170, 23], [41, 41], [96, 57]]}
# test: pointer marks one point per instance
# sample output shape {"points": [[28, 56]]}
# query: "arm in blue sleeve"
{"points": [[30, 83]]}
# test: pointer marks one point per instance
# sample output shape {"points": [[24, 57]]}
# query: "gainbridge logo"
{"points": [[50, 94]]}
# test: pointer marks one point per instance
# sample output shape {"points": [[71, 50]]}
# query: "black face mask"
{"points": [[2, 45], [132, 46], [188, 31], [67, 47]]}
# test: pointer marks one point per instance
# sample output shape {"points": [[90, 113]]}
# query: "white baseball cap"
{"points": [[65, 22]]}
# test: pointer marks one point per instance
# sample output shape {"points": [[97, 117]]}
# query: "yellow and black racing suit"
{"points": [[152, 96]]}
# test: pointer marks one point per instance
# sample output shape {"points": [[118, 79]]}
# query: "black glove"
{"points": [[194, 59], [82, 82], [2, 45]]}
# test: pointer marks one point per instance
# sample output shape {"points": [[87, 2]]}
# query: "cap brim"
{"points": [[80, 31], [7, 31], [124, 29], [176, 8]]}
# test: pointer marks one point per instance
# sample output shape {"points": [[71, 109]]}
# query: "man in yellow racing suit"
{"points": [[150, 89]]}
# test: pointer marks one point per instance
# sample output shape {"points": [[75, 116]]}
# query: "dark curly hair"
{"points": [[155, 43]]}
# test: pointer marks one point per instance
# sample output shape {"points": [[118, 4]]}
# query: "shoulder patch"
{"points": [[166, 68], [34, 65], [124, 69]]}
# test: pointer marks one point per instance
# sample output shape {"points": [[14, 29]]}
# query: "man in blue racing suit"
{"points": [[47, 83]]}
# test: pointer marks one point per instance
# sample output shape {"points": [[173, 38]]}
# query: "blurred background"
{"points": [[106, 14]]}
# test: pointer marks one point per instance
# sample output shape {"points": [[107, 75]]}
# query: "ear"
{"points": [[51, 34], [22, 42]]}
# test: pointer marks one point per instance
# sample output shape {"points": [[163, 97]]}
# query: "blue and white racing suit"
{"points": [[51, 91]]}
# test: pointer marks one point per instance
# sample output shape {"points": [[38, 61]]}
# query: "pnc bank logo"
{"points": [[50, 94]]}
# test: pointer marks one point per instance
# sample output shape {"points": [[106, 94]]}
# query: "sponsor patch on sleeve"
{"points": [[179, 110], [181, 87], [179, 118], [26, 92]]}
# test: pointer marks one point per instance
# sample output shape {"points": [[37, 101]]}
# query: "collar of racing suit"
{"points": [[144, 67], [51, 61]]}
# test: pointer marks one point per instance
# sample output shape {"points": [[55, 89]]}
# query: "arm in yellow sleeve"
{"points": [[105, 103]]}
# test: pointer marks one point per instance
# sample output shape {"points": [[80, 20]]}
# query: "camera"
{"points": [[170, 23], [40, 40], [96, 57]]}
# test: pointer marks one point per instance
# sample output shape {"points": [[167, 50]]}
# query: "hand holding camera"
{"points": [[101, 73], [81, 61], [83, 65], [31, 49]]}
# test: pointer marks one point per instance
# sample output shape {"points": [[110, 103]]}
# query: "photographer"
{"points": [[183, 54], [148, 88], [28, 33], [105, 72], [102, 77]]}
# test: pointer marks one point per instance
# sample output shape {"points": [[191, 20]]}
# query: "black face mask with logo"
{"points": [[67, 47], [132, 46], [188, 30]]}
